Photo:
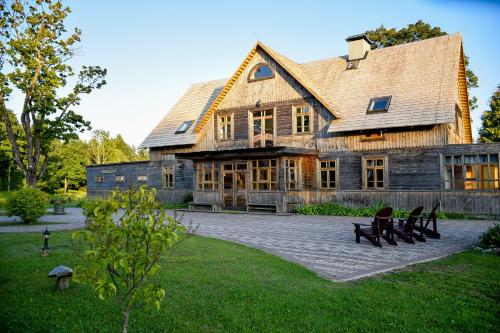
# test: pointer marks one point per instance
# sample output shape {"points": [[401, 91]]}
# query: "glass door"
{"points": [[263, 128]]}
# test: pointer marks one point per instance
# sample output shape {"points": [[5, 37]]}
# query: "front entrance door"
{"points": [[234, 185]]}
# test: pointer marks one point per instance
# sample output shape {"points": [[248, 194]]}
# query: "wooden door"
{"points": [[234, 186]]}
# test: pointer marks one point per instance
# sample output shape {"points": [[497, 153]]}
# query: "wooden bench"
{"points": [[201, 206], [271, 208]]}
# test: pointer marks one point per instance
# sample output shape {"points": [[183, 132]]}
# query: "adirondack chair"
{"points": [[431, 217], [405, 228], [373, 232]]}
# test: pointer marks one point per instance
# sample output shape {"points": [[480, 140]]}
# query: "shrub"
{"points": [[490, 239], [28, 203], [89, 206]]}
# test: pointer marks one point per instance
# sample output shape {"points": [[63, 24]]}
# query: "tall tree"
{"points": [[10, 175], [35, 50], [66, 167], [384, 37], [105, 149], [490, 119]]}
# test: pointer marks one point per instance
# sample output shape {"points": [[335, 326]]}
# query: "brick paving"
{"points": [[323, 244]]}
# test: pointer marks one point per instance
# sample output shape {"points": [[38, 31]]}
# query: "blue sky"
{"points": [[154, 50]]}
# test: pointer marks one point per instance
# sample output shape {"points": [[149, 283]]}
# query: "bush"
{"points": [[89, 206], [28, 203], [490, 239]]}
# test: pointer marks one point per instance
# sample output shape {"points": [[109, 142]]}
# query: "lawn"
{"points": [[217, 286]]}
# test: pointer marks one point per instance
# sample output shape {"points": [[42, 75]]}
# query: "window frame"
{"points": [[101, 179], [221, 123], [179, 129], [121, 179], [168, 183], [459, 161], [385, 169], [262, 118], [144, 178], [287, 174], [372, 102], [295, 117], [207, 185], [328, 169], [254, 69], [269, 184]]}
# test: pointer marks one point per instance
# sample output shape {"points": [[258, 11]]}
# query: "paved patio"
{"points": [[323, 244]]}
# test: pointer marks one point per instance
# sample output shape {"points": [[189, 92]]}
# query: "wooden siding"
{"points": [[282, 87], [404, 138]]}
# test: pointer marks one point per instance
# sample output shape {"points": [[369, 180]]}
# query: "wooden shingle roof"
{"points": [[421, 77]]}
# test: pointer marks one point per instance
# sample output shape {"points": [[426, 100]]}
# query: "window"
{"points": [[261, 72], [328, 175], [292, 174], [264, 175], [302, 119], [379, 104], [471, 172], [120, 179], [352, 64], [374, 173], [184, 127], [208, 177], [263, 128], [225, 127], [142, 178], [168, 176], [98, 179]]}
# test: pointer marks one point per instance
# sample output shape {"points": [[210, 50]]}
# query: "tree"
{"points": [[105, 149], [35, 49], [490, 127], [10, 175], [383, 37], [120, 256], [66, 167]]}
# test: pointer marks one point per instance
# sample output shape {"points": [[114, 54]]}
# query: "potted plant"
{"points": [[59, 203]]}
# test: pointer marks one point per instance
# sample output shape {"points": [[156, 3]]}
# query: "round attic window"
{"points": [[260, 72]]}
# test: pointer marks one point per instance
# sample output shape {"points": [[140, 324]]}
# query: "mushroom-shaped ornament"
{"points": [[63, 274]]}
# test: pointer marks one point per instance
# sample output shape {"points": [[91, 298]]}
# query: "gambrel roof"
{"points": [[422, 78]]}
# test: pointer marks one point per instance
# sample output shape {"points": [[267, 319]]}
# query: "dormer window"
{"points": [[379, 104], [261, 72], [184, 127]]}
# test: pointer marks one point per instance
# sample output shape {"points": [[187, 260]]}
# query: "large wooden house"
{"points": [[389, 124]]}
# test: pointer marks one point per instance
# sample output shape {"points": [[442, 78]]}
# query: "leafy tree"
{"points": [[120, 256], [35, 49], [490, 127], [10, 175], [66, 167], [105, 149], [384, 37]]}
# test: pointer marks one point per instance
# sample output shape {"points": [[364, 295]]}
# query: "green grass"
{"points": [[217, 286]]}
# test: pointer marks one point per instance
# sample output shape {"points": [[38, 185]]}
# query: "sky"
{"points": [[153, 50]]}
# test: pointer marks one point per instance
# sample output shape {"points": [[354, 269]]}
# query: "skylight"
{"points": [[184, 127], [379, 104]]}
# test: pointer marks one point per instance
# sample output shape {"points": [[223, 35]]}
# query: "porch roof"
{"points": [[247, 153]]}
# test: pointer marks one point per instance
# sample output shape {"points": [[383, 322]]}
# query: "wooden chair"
{"points": [[431, 217], [373, 232], [405, 228]]}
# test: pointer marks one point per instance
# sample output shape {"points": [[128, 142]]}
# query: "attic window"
{"points": [[378, 104], [184, 127], [261, 72], [352, 64]]}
